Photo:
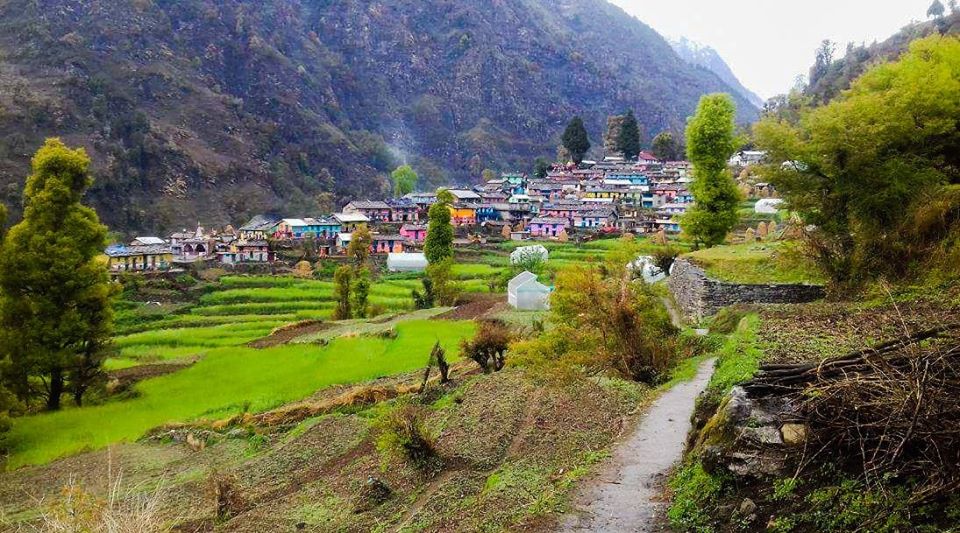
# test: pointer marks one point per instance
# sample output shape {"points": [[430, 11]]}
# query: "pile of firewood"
{"points": [[893, 409]]}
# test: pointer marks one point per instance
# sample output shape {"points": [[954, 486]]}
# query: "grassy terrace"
{"points": [[768, 262]]}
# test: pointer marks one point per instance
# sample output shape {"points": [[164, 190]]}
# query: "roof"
{"points": [[295, 222], [520, 279], [369, 204], [389, 238], [147, 241], [260, 223], [550, 220], [346, 218], [463, 194], [413, 227], [128, 251]]}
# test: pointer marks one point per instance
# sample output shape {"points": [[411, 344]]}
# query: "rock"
{"points": [[794, 434], [763, 435], [747, 507]]}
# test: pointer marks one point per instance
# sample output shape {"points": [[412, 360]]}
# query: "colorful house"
{"points": [[247, 251], [414, 232], [350, 221], [547, 227], [259, 228], [140, 258], [594, 220], [403, 210], [386, 244], [463, 215]]}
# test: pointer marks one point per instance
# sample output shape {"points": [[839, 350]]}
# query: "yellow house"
{"points": [[461, 215], [139, 258]]}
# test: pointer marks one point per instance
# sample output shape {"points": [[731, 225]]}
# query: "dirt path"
{"points": [[622, 498]]}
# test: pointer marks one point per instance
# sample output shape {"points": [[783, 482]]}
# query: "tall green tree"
{"points": [[666, 147], [342, 284], [361, 293], [359, 248], [404, 180], [540, 168], [628, 140], [444, 196], [7, 399], [439, 243], [575, 140], [710, 143], [56, 316]]}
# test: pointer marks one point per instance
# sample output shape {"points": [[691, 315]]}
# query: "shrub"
{"points": [[402, 433], [489, 346]]}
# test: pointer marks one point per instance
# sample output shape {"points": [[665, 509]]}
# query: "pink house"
{"points": [[547, 227], [386, 244], [414, 232]]}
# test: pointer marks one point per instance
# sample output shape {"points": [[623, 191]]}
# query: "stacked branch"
{"points": [[894, 408]]}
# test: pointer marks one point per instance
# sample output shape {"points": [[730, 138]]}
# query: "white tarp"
{"points": [[412, 262], [768, 206], [648, 269], [527, 253]]}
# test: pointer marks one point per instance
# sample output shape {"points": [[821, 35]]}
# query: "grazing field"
{"points": [[767, 262], [230, 380]]}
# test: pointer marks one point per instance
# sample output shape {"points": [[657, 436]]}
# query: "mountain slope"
{"points": [[202, 110], [708, 58]]}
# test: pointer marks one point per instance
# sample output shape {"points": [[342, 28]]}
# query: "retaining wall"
{"points": [[699, 295]]}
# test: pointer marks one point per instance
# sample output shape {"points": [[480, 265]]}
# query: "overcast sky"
{"points": [[768, 43]]}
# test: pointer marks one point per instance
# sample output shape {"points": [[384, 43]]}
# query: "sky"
{"points": [[768, 43]]}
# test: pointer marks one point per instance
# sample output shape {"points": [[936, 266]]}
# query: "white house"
{"points": [[400, 262], [525, 293], [529, 253]]}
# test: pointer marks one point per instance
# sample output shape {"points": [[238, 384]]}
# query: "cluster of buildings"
{"points": [[614, 195]]}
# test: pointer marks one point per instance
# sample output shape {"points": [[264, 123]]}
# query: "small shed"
{"points": [[528, 253], [768, 206], [525, 293], [406, 262]]}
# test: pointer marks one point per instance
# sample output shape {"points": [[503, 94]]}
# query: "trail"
{"points": [[623, 497]]}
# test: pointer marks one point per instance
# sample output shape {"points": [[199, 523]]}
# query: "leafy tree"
{"points": [[425, 299], [540, 168], [710, 143], [823, 61], [575, 140], [361, 293], [666, 147], [342, 281], [7, 399], [359, 248], [936, 9], [439, 243], [628, 139], [404, 180], [488, 175], [446, 291], [56, 315], [488, 348], [859, 168]]}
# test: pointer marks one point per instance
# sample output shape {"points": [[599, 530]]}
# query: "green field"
{"points": [[757, 263], [227, 381]]}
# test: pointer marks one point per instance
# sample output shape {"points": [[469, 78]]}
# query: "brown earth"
{"points": [[288, 333], [478, 306]]}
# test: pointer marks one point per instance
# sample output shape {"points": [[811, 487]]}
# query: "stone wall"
{"points": [[700, 296]]}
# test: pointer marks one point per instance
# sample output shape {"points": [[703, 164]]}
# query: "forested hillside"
{"points": [[201, 110]]}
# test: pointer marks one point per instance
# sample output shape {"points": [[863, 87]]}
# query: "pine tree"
{"points": [[666, 147], [936, 9], [439, 243], [628, 140], [56, 315], [540, 168], [575, 140], [710, 143]]}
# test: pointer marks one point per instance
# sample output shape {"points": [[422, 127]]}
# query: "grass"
{"points": [[228, 381], [757, 263]]}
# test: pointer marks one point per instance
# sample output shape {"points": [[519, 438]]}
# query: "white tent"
{"points": [[768, 206], [525, 293], [406, 262], [527, 253]]}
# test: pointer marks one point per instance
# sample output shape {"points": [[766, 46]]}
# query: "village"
{"points": [[570, 203]]}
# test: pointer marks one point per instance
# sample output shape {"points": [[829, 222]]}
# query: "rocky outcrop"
{"points": [[699, 295]]}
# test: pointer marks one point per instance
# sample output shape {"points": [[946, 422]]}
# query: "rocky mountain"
{"points": [[211, 110], [705, 56]]}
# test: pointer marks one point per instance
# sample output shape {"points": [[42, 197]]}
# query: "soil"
{"points": [[128, 377], [624, 496], [287, 334], [479, 306]]}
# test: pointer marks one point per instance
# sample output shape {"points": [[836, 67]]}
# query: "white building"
{"points": [[400, 262], [768, 206], [525, 293]]}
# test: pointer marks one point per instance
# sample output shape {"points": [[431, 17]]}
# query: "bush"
{"points": [[727, 320], [402, 434], [489, 346]]}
